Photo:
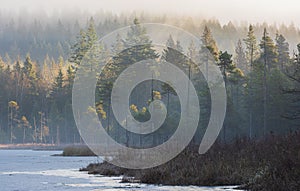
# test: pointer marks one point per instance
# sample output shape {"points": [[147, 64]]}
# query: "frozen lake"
{"points": [[26, 170]]}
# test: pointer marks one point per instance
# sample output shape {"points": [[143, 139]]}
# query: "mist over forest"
{"points": [[40, 53], [226, 103], [42, 35]]}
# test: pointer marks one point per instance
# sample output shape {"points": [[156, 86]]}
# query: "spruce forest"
{"points": [[260, 64]]}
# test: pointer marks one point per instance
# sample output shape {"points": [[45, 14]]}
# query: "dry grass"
{"points": [[77, 150], [269, 164]]}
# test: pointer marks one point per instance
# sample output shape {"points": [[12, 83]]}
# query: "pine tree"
{"points": [[95, 50], [59, 80], [2, 65], [70, 77], [137, 35], [293, 73], [170, 42], [269, 60], [170, 45], [86, 42], [192, 51], [252, 49], [46, 73], [210, 43], [91, 34], [13, 121], [226, 65], [142, 49], [283, 51], [60, 49], [29, 68], [179, 47], [297, 56], [31, 82], [2, 79], [208, 53], [19, 80], [79, 48], [252, 54], [118, 46], [25, 125], [57, 89], [134, 47], [268, 51], [174, 52], [240, 57], [55, 120]]}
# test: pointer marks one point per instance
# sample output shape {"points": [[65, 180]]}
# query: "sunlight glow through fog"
{"points": [[225, 10]]}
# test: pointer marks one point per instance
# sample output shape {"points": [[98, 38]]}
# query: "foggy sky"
{"points": [[286, 11]]}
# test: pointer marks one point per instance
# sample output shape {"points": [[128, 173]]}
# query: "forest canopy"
{"points": [[259, 62]]}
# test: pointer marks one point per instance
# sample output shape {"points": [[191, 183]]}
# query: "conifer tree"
{"points": [[226, 65], [252, 54], [240, 57], [170, 42], [118, 46], [269, 60], [79, 48], [268, 51], [192, 51], [210, 43], [86, 40], [29, 68], [252, 49], [283, 51]]}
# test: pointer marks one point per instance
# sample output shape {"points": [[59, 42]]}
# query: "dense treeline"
{"points": [[35, 102], [40, 34], [261, 76]]}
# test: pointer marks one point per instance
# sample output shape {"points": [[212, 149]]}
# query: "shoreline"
{"points": [[268, 164], [35, 146]]}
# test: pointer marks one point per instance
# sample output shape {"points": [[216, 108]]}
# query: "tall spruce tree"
{"points": [[268, 51], [283, 51], [210, 43], [240, 57], [208, 53], [293, 73], [79, 48], [170, 42], [135, 46], [86, 40], [252, 54], [252, 49], [29, 68], [226, 66], [269, 60]]}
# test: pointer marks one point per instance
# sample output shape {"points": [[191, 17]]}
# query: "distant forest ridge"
{"points": [[43, 36]]}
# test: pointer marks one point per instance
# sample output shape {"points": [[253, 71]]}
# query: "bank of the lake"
{"points": [[28, 170], [263, 165], [32, 146]]}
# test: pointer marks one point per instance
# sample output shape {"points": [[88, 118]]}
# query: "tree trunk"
{"points": [[24, 134], [265, 89], [57, 135]]}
